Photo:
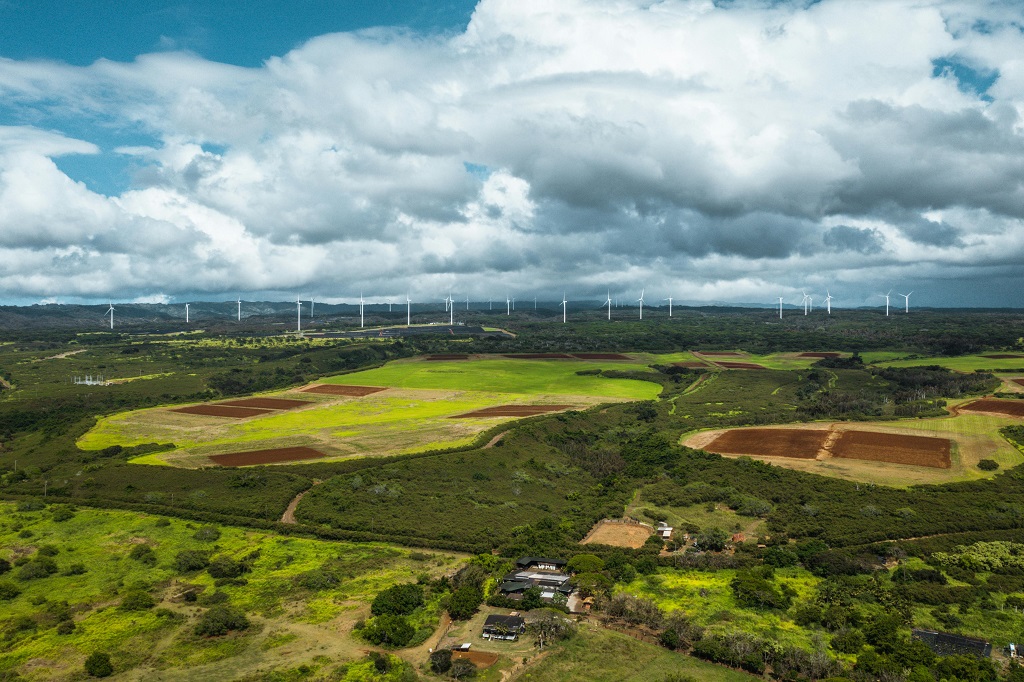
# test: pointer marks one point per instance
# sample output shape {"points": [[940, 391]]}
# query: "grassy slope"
{"points": [[964, 363], [552, 377], [101, 541]]}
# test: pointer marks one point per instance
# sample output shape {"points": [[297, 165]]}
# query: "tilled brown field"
{"points": [[1019, 382], [338, 389], [739, 365], [600, 356], [267, 403], [222, 411], [894, 448], [818, 355], [272, 456], [481, 659], [1012, 408], [513, 411], [798, 443], [539, 356]]}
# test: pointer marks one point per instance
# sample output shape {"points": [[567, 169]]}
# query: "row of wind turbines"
{"points": [[510, 305]]}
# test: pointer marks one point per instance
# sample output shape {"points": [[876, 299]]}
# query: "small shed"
{"points": [[664, 531]]}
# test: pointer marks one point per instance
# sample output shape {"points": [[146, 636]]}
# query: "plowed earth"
{"points": [[600, 356], [513, 411], [1013, 408], [894, 448], [339, 389], [481, 659], [223, 411], [267, 403], [799, 443], [631, 535], [273, 456], [542, 356], [739, 365]]}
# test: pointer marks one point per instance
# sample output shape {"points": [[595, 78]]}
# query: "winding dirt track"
{"points": [[289, 513]]}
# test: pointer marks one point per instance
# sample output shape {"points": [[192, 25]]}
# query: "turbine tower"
{"points": [[780, 307], [186, 313], [669, 299], [886, 295], [828, 301], [408, 311], [641, 299], [239, 308], [298, 314], [508, 305], [609, 303], [451, 310], [906, 302], [110, 310], [360, 310], [805, 302], [310, 307], [564, 307]]}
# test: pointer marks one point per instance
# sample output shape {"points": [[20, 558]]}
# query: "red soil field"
{"points": [[1002, 356], [337, 389], [895, 448], [241, 459], [818, 355], [600, 356], [222, 411], [798, 443], [689, 364], [267, 403], [1019, 381], [739, 365], [724, 353], [540, 356], [513, 411], [1012, 408], [481, 659], [449, 356]]}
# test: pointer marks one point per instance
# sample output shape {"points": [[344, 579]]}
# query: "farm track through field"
{"points": [[289, 512]]}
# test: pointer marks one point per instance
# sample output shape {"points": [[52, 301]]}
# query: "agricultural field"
{"points": [[422, 405], [100, 559], [996, 362]]}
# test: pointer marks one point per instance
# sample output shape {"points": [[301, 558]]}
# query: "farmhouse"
{"points": [[539, 564], [664, 531], [536, 572], [504, 627]]}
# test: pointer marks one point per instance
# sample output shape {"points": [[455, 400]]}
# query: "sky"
{"points": [[716, 152]]}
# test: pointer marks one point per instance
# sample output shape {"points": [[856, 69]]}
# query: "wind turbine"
{"points": [[467, 303], [886, 295], [360, 310], [906, 302], [239, 308], [111, 311], [780, 307], [298, 313], [513, 303], [609, 303], [565, 304], [310, 307], [535, 301], [641, 299], [186, 313], [805, 302], [508, 305], [389, 305], [828, 301], [451, 310], [669, 299], [408, 311]]}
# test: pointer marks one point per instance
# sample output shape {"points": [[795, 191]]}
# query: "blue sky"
{"points": [[708, 151]]}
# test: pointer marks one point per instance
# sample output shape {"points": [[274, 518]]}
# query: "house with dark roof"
{"points": [[536, 563], [503, 627]]}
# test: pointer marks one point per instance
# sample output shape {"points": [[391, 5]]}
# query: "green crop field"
{"points": [[550, 377], [95, 570], [963, 363]]}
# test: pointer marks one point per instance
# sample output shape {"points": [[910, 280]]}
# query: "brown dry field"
{"points": [[1002, 356], [481, 659], [540, 356], [338, 389], [222, 411], [600, 356], [1012, 408], [894, 448], [449, 356], [818, 355], [268, 403], [722, 353], [799, 443], [272, 456], [630, 535], [513, 411], [739, 365], [690, 363]]}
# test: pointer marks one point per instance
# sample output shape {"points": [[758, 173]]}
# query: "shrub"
{"points": [[62, 512], [464, 602], [317, 579], [98, 665], [388, 630], [8, 591], [848, 641], [207, 534], [74, 569], [224, 567], [137, 600], [217, 597], [191, 560], [162, 523], [41, 567], [5, 566], [144, 554], [220, 620], [30, 506], [65, 627], [441, 661], [47, 550], [399, 600], [585, 563], [988, 465], [462, 669]]}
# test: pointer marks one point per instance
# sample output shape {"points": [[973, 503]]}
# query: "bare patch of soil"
{"points": [[618, 534], [268, 403], [222, 411], [481, 659], [513, 411], [739, 365], [894, 448], [540, 356], [1012, 408], [799, 443], [272, 456], [338, 389]]}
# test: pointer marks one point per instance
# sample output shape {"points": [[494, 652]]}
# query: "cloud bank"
{"points": [[720, 152]]}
